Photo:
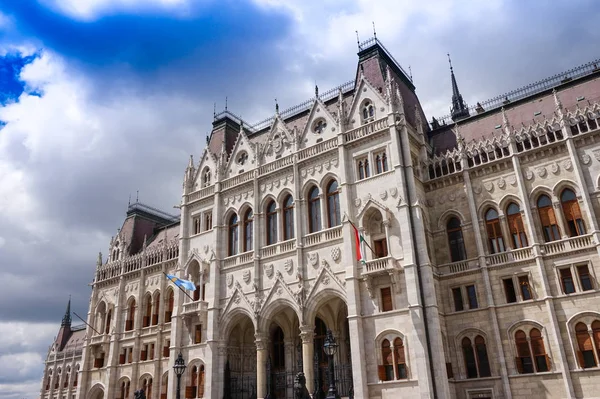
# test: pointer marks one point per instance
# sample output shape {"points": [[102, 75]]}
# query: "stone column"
{"points": [[261, 365], [307, 334]]}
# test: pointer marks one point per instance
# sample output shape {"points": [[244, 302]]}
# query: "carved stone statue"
{"points": [[300, 391], [139, 394]]}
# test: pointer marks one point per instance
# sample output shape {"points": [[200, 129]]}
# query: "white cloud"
{"points": [[88, 10]]}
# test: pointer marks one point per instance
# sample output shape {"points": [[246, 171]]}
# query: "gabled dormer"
{"points": [[206, 170], [280, 141], [367, 105], [242, 157], [320, 124]]}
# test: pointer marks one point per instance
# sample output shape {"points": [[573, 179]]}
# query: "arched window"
{"points": [[516, 227], [314, 210], [531, 354], [483, 361], [333, 204], [201, 382], [75, 375], [469, 355], [596, 335], [495, 239], [130, 322], [361, 170], [192, 389], [124, 389], [233, 235], [548, 218], [271, 223], [155, 308], [206, 178], [393, 360], [455, 240], [288, 218], [170, 303], [381, 163], [368, 111], [570, 207], [147, 387], [248, 226], [400, 359], [148, 311], [388, 361], [585, 352], [108, 320]]}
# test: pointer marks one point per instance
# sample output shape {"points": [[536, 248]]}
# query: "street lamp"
{"points": [[330, 347], [179, 368]]}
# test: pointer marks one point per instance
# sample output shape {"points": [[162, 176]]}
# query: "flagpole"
{"points": [[365, 241], [182, 290], [86, 323]]}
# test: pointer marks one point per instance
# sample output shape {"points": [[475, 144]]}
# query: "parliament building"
{"points": [[477, 276]]}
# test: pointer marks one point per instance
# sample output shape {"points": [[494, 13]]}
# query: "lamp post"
{"points": [[330, 347], [179, 368]]}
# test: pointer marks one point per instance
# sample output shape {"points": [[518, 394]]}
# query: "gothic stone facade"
{"points": [[481, 253]]}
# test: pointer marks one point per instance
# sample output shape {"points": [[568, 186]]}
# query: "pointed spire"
{"points": [[557, 101], [66, 321], [316, 91], [276, 107], [459, 108]]}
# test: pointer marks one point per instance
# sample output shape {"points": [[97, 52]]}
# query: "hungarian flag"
{"points": [[358, 241]]}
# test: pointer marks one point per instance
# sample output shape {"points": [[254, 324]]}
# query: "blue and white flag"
{"points": [[188, 285]]}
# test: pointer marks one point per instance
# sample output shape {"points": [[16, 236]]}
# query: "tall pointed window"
{"points": [[381, 164], [333, 204], [523, 360], [531, 353], [393, 360], [388, 360], [314, 210], [271, 223], [155, 308], [469, 355], [288, 218], [368, 111], [400, 359], [542, 362], [548, 218], [129, 323], [233, 235], [495, 239], [516, 227], [455, 240], [170, 303], [148, 313], [570, 207], [483, 361], [248, 229]]}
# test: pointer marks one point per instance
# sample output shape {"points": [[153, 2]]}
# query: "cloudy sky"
{"points": [[101, 98]]}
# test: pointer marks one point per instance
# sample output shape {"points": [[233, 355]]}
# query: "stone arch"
{"points": [[244, 207], [97, 391], [538, 191], [232, 317], [468, 332], [283, 195], [584, 316], [507, 199], [563, 184], [315, 302], [308, 185], [326, 179], [280, 311], [446, 215], [485, 206], [526, 325], [390, 334], [227, 215], [267, 200]]}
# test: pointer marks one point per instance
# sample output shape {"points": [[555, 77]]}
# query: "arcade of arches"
{"points": [[266, 362]]}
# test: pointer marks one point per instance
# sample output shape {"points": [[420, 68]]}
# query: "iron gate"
{"points": [[239, 386]]}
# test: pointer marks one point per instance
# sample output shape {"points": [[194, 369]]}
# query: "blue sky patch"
{"points": [[11, 85]]}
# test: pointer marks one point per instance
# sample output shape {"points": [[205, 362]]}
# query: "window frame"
{"points": [[527, 328], [248, 227], [333, 198], [314, 210], [515, 278], [392, 336], [459, 245], [574, 269], [288, 218], [381, 308], [271, 220]]}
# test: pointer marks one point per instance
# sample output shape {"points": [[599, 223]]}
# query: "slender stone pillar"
{"points": [[261, 366], [307, 334]]}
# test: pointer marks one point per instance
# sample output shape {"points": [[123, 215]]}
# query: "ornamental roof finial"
{"points": [[316, 91], [276, 107]]}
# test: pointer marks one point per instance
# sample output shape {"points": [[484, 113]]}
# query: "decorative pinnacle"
{"points": [[316, 91], [99, 262], [276, 107], [66, 321]]}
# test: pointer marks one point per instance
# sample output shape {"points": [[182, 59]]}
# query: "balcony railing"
{"points": [[515, 255], [245, 257], [569, 244], [202, 193], [322, 236], [194, 307], [379, 265], [278, 248], [457, 267], [365, 130]]}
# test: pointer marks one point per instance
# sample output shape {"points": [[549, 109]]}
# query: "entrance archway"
{"points": [[97, 392], [332, 314], [240, 362]]}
